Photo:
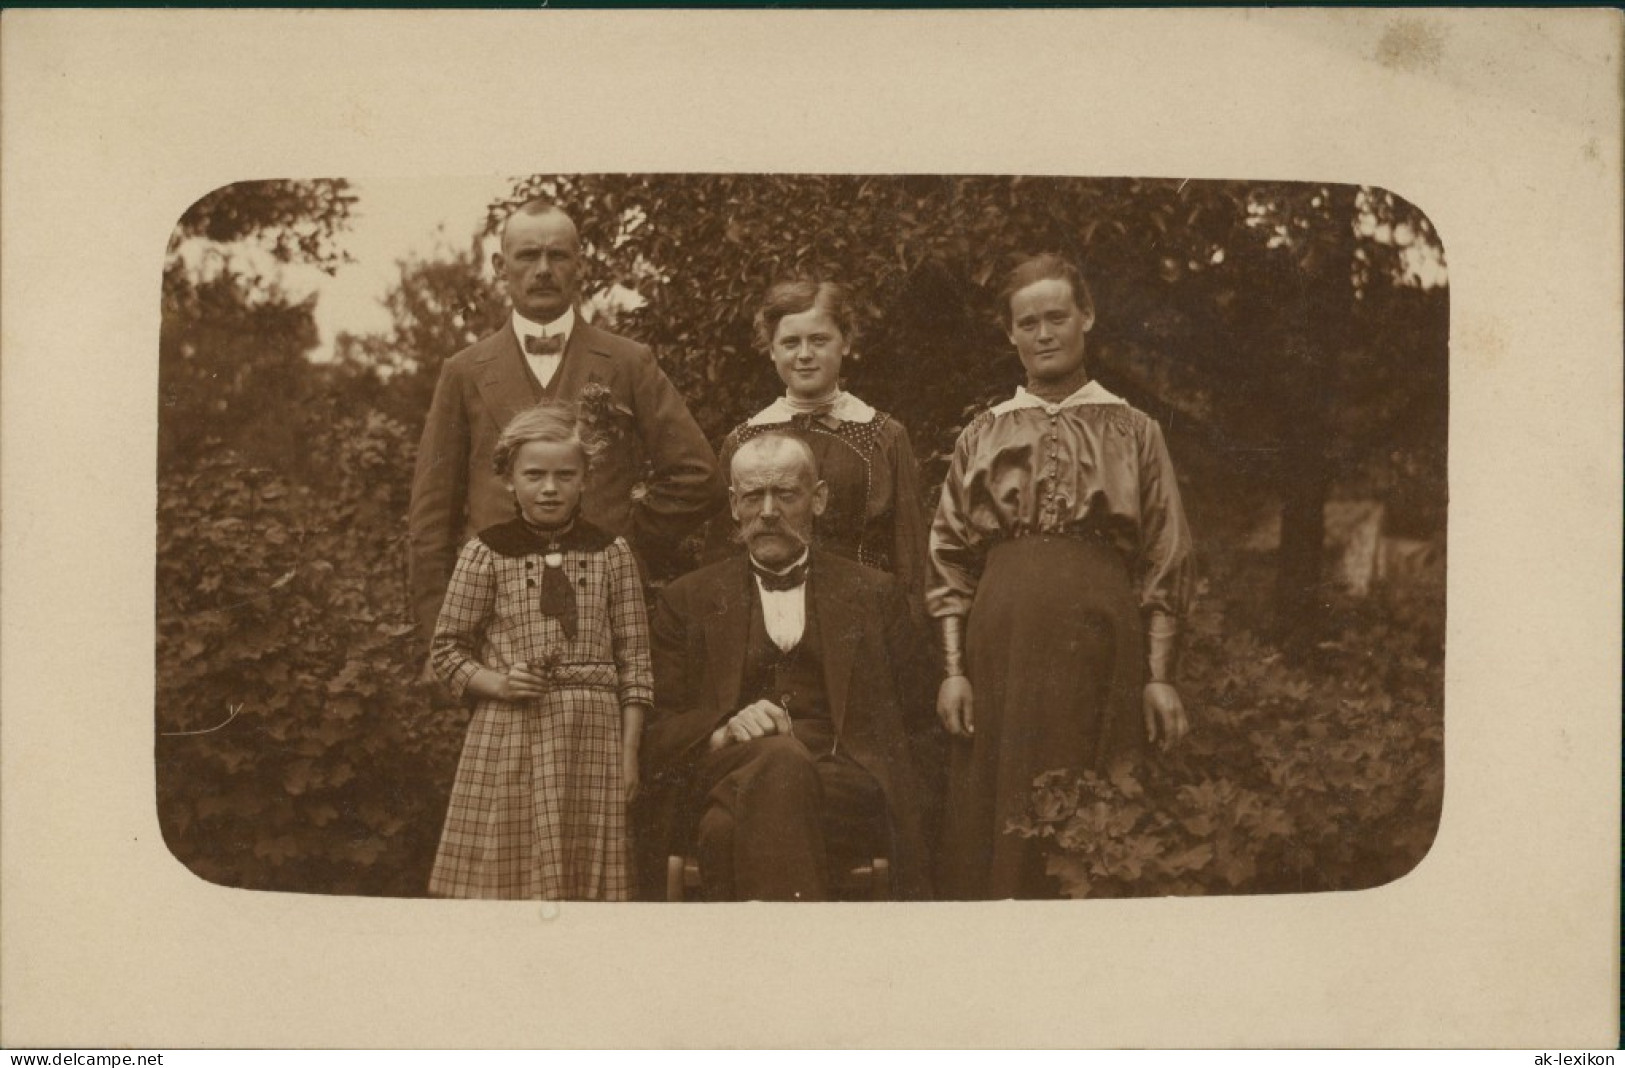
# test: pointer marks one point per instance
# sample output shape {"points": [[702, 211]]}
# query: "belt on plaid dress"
{"points": [[584, 674]]}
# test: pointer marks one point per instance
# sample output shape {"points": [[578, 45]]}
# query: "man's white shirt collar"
{"points": [[806, 554], [1091, 393], [560, 327], [544, 366], [783, 611]]}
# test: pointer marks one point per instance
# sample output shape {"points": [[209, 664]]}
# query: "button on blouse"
{"points": [[1091, 466]]}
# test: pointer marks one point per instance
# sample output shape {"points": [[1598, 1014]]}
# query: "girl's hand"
{"points": [[629, 771], [521, 683], [518, 683]]}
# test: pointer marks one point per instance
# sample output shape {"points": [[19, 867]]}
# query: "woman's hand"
{"points": [[954, 706], [1165, 720]]}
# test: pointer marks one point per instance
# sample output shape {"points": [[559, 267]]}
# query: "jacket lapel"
{"points": [[840, 625], [581, 361], [502, 380], [727, 625]]}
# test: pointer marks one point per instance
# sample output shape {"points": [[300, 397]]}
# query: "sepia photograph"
{"points": [[1144, 479], [810, 529]]}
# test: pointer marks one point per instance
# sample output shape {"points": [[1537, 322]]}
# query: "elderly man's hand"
{"points": [[756, 720]]}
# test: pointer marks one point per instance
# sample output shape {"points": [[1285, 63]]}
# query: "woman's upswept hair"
{"points": [[551, 421], [1040, 268], [793, 298]]}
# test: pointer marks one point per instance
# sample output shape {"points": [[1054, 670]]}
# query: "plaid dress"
{"points": [[538, 807]]}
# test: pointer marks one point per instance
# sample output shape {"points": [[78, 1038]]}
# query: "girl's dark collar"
{"points": [[518, 538]]}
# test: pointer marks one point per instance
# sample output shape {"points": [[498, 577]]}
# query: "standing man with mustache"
{"points": [[547, 351], [781, 679]]}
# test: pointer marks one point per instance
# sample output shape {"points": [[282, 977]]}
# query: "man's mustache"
{"points": [[771, 526]]}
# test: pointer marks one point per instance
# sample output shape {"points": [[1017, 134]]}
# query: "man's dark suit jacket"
{"points": [[456, 494], [874, 666]]}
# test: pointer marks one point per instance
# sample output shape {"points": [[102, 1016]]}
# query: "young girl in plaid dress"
{"points": [[543, 622]]}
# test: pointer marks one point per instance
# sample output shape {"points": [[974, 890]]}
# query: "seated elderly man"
{"points": [[781, 676]]}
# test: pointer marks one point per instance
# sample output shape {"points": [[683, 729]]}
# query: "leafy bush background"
{"points": [[284, 604], [1270, 328]]}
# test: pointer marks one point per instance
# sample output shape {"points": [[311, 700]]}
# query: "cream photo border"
{"points": [[1503, 126]]}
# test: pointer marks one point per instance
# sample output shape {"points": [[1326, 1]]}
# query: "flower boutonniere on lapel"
{"points": [[598, 409]]}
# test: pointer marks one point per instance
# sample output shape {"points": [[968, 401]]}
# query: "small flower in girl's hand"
{"points": [[546, 664], [524, 682], [528, 679]]}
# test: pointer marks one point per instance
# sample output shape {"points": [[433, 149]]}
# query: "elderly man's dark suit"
{"points": [[872, 659], [455, 493]]}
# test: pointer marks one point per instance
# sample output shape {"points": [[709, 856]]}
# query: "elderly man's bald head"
{"points": [[775, 495], [775, 448]]}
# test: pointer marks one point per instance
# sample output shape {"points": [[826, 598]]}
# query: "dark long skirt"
{"points": [[1055, 656]]}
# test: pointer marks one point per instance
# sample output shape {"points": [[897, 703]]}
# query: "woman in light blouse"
{"points": [[1060, 571]]}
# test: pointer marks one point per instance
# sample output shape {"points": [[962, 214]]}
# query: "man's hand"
{"points": [[756, 720], [1165, 720], [954, 706]]}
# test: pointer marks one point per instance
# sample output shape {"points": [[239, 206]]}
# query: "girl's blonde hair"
{"points": [[555, 422]]}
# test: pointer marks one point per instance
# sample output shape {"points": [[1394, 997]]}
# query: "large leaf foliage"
{"points": [[1327, 775], [294, 751]]}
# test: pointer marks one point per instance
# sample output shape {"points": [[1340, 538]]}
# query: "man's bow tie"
{"points": [[777, 583], [538, 345]]}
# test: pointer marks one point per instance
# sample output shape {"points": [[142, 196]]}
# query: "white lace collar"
{"points": [[846, 408], [1092, 392]]}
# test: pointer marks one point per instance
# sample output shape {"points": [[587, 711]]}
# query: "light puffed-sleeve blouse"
{"points": [[1090, 466]]}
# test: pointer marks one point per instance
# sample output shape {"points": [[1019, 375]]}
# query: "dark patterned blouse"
{"points": [[864, 456]]}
